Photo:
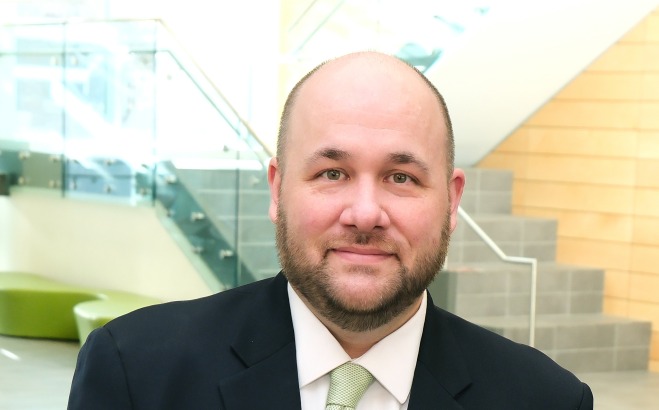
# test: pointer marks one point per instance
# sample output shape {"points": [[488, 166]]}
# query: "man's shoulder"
{"points": [[505, 369], [476, 341], [469, 333], [227, 307], [234, 297]]}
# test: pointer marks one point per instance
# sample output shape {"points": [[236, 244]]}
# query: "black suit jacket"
{"points": [[236, 350]]}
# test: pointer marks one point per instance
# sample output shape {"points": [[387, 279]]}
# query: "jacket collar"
{"points": [[266, 346]]}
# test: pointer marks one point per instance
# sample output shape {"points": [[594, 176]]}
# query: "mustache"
{"points": [[377, 240]]}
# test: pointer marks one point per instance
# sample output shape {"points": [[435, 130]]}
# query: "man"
{"points": [[364, 197]]}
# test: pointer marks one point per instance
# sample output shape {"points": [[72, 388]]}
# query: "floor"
{"points": [[36, 374]]}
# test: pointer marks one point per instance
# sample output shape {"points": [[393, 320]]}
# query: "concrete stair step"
{"points": [[487, 191], [581, 343], [516, 236], [508, 228], [488, 179], [503, 289]]}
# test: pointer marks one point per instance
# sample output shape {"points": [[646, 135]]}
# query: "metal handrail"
{"points": [[512, 259]]}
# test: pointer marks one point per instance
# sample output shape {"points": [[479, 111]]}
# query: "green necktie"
{"points": [[348, 383]]}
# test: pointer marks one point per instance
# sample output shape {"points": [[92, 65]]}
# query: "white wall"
{"points": [[525, 51], [109, 246]]}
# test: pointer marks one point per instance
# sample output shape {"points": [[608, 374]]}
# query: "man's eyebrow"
{"points": [[336, 154], [329, 153], [408, 158]]}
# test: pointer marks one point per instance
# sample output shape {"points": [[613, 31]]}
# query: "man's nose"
{"points": [[364, 208]]}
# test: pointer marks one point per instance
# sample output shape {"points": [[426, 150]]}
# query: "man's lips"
{"points": [[361, 255]]}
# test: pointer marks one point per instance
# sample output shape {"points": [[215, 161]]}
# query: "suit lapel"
{"points": [[266, 346], [441, 373], [270, 384]]}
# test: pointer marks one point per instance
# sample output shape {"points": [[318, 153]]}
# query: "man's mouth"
{"points": [[361, 255]]}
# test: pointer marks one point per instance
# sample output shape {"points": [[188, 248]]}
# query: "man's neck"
{"points": [[356, 344]]}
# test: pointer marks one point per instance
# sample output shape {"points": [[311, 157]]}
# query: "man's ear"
{"points": [[455, 188], [274, 180]]}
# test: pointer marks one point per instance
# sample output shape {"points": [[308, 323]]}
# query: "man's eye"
{"points": [[400, 178], [332, 174]]}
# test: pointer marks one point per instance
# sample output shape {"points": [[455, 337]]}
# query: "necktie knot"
{"points": [[348, 383]]}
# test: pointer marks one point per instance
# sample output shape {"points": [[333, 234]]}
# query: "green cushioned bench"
{"points": [[34, 306], [96, 313]]}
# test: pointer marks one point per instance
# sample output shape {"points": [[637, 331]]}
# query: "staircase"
{"points": [[570, 325]]}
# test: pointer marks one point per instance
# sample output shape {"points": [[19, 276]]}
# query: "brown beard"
{"points": [[312, 280]]}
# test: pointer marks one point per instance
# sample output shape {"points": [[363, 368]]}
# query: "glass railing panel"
{"points": [[136, 119], [82, 91], [31, 169], [167, 43], [11, 166], [223, 159], [255, 230], [192, 131], [41, 170], [178, 192], [31, 122], [109, 99], [202, 150]]}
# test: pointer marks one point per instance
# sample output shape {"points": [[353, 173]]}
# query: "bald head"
{"points": [[383, 78]]}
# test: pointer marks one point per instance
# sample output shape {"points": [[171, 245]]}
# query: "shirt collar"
{"points": [[391, 361]]}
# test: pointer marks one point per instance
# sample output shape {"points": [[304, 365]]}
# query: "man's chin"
{"points": [[362, 295]]}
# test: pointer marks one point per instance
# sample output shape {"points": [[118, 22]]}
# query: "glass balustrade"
{"points": [[117, 110], [31, 123]]}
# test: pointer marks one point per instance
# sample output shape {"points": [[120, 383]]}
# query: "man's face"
{"points": [[364, 207]]}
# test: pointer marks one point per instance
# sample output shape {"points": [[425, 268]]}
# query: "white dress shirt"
{"points": [[391, 361]]}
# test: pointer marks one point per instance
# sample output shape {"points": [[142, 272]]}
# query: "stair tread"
{"points": [[553, 320], [501, 266]]}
